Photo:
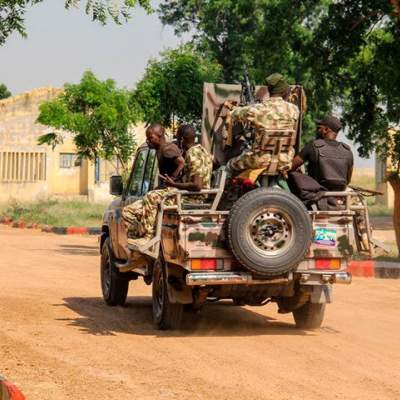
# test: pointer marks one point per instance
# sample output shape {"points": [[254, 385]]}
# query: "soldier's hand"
{"points": [[228, 104], [169, 181]]}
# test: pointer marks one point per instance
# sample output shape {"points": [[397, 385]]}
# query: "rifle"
{"points": [[247, 96], [365, 192]]}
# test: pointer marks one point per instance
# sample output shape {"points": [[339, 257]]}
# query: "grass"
{"points": [[364, 181], [379, 210], [368, 182], [55, 212]]}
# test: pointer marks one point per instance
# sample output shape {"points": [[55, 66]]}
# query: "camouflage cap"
{"points": [[276, 83]]}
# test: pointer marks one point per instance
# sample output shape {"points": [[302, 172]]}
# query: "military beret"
{"points": [[276, 83]]}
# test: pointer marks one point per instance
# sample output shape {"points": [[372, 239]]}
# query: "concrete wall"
{"points": [[29, 171], [382, 186], [19, 151]]}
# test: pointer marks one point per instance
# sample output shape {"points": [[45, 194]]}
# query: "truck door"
{"points": [[141, 180]]}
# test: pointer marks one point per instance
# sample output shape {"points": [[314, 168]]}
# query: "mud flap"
{"points": [[321, 294], [178, 291]]}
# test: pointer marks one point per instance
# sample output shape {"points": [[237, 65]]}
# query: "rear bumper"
{"points": [[229, 278], [312, 278], [245, 278]]}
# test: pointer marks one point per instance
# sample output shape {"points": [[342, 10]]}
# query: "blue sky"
{"points": [[62, 44]]}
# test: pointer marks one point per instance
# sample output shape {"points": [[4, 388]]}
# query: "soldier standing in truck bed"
{"points": [[271, 116], [330, 162]]}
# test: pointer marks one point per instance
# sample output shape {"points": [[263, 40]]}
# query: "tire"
{"points": [[309, 316], [166, 315], [269, 231], [114, 284]]}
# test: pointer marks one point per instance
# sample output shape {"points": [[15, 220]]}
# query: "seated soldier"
{"points": [[271, 116], [169, 155], [170, 162], [330, 162], [196, 176]]}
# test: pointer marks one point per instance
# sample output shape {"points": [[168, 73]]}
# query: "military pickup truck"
{"points": [[252, 241]]}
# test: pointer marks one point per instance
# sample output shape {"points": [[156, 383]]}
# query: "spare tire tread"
{"points": [[237, 242]]}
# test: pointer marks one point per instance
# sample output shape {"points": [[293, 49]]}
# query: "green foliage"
{"points": [[266, 36], [361, 54], [55, 212], [97, 114], [172, 87], [12, 12], [4, 92], [345, 53]]}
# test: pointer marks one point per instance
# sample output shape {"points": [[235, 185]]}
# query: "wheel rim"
{"points": [[270, 232], [106, 281]]}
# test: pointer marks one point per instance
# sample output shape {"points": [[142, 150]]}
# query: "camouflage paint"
{"points": [[214, 127]]}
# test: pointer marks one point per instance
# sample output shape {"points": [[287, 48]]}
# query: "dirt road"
{"points": [[59, 341]]}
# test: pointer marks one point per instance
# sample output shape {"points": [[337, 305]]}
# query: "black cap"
{"points": [[331, 122]]}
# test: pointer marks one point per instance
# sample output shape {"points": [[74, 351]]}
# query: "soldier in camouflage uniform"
{"points": [[197, 176], [267, 118]]}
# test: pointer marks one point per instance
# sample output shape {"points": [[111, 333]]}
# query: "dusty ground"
{"points": [[59, 341]]}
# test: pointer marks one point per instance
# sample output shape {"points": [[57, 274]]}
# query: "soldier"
{"points": [[178, 137], [272, 115], [169, 156], [170, 162], [330, 162], [196, 176]]}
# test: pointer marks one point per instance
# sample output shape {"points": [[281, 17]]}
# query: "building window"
{"points": [[67, 160], [22, 166]]}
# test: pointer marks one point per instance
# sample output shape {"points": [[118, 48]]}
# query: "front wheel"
{"points": [[166, 315], [114, 284], [309, 316]]}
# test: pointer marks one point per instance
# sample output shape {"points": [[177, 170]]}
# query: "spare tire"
{"points": [[269, 231]]}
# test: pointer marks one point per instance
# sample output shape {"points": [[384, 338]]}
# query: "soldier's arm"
{"points": [[241, 114], [350, 169], [180, 163], [297, 163], [349, 175], [304, 156], [195, 185]]}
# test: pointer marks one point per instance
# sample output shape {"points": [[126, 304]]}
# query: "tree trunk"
{"points": [[394, 181]]}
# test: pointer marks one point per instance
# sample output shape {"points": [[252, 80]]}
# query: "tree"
{"points": [[97, 114], [12, 12], [4, 92], [172, 87], [360, 57], [263, 35]]}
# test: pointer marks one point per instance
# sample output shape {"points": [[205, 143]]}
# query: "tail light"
{"points": [[206, 264], [328, 263]]}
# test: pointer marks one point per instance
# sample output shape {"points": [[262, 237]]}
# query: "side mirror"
{"points": [[116, 185]]}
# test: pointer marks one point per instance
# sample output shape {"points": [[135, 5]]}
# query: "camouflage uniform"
{"points": [[140, 216], [268, 117]]}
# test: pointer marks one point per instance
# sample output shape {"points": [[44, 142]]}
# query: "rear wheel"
{"points": [[269, 231], [309, 316], [166, 315], [114, 284]]}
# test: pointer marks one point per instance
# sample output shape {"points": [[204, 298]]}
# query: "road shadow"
{"points": [[217, 319], [78, 250]]}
